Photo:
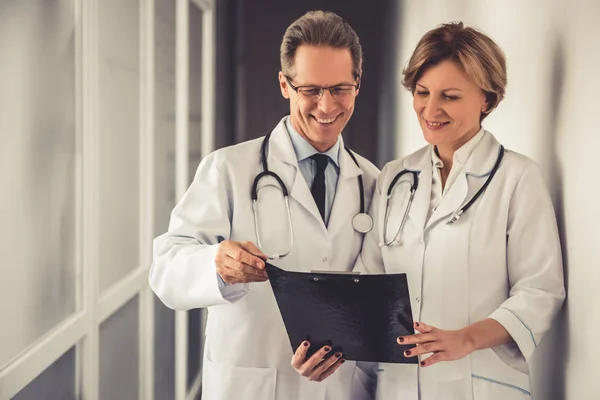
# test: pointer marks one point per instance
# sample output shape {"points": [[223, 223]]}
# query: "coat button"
{"points": [[324, 259], [418, 299]]}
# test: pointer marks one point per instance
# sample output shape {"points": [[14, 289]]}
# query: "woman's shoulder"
{"points": [[414, 161], [486, 155], [520, 169], [518, 161], [523, 171]]}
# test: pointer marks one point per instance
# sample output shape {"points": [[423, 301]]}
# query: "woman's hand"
{"points": [[318, 367], [445, 345], [454, 345]]}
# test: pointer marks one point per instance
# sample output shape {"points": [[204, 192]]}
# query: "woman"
{"points": [[485, 283]]}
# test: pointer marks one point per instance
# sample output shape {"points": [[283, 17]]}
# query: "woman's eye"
{"points": [[451, 97], [421, 93]]}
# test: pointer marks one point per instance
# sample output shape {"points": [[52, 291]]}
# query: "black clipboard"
{"points": [[359, 315]]}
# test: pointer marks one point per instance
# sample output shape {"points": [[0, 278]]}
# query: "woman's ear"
{"points": [[490, 99]]}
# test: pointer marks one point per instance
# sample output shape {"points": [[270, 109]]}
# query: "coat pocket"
{"points": [[227, 382], [493, 379], [487, 388]]}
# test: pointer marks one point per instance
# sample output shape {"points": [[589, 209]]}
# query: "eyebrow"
{"points": [[443, 90], [314, 85]]}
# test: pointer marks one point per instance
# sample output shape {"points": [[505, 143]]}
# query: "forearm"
{"points": [[183, 274], [485, 334]]}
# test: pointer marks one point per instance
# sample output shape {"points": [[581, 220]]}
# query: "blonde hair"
{"points": [[479, 56], [320, 28]]}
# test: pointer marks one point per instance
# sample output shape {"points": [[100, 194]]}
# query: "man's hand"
{"points": [[240, 262], [318, 367]]}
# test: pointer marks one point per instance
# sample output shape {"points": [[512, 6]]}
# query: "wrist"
{"points": [[469, 339]]}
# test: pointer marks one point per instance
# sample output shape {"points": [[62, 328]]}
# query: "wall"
{"points": [[549, 114]]}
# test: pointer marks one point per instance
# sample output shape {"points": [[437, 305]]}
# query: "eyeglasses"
{"points": [[314, 93]]}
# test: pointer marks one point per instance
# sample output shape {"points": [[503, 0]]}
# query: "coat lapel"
{"points": [[419, 162], [452, 201], [346, 203], [470, 180], [283, 161]]}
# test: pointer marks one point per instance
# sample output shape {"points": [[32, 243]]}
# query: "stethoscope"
{"points": [[362, 222], [413, 188]]}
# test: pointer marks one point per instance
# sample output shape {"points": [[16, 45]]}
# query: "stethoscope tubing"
{"points": [[284, 191], [415, 183]]}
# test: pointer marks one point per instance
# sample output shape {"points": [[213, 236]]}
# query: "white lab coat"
{"points": [[248, 353], [501, 259]]}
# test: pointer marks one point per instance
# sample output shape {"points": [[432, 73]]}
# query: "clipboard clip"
{"points": [[316, 271], [348, 273]]}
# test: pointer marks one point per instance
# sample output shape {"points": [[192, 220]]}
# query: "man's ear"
{"points": [[358, 81], [283, 86]]}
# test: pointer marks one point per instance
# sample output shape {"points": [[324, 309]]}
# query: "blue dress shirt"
{"points": [[308, 167]]}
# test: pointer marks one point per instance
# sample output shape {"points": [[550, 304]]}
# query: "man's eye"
{"points": [[341, 90], [311, 91]]}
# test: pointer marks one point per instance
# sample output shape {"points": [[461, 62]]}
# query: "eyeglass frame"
{"points": [[321, 88]]}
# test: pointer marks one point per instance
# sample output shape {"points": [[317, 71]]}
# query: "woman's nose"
{"points": [[432, 108]]}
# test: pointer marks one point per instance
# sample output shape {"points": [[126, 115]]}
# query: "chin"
{"points": [[434, 140]]}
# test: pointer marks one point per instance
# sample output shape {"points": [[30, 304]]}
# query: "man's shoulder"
{"points": [[236, 153], [368, 168]]}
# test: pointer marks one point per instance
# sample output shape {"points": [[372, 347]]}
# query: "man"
{"points": [[210, 256]]}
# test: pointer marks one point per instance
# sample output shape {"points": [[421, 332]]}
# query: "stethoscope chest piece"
{"points": [[362, 222]]}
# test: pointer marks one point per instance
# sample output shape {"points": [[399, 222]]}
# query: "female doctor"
{"points": [[472, 226]]}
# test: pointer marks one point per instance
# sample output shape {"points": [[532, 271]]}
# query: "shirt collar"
{"points": [[461, 155], [304, 150]]}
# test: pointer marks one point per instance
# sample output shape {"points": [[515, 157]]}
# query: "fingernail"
{"points": [[338, 355], [343, 361], [305, 344], [422, 363], [401, 339], [327, 349], [407, 352]]}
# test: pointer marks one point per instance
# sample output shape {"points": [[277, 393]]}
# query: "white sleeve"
{"points": [[535, 269], [183, 274]]}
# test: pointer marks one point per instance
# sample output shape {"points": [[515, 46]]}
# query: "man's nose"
{"points": [[326, 102]]}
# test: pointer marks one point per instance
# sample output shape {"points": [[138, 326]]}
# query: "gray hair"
{"points": [[320, 28]]}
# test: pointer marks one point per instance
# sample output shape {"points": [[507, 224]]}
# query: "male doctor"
{"points": [[210, 255]]}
